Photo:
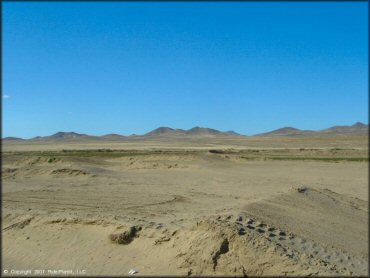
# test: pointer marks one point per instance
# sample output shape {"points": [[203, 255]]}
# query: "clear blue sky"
{"points": [[122, 67]]}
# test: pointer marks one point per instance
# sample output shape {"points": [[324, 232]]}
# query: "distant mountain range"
{"points": [[357, 128], [195, 131], [163, 132]]}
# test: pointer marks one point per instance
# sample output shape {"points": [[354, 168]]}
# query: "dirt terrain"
{"points": [[269, 207]]}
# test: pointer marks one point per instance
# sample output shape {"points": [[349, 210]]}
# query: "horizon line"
{"points": [[200, 127]]}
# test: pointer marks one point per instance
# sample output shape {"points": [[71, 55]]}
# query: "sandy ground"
{"points": [[185, 212]]}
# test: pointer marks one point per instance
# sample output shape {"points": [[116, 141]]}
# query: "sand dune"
{"points": [[218, 211]]}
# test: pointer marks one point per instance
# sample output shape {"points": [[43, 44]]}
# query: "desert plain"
{"points": [[238, 206]]}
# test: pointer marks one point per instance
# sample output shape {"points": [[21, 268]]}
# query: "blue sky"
{"points": [[124, 67]]}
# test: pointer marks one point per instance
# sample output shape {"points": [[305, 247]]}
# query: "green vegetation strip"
{"points": [[328, 159], [96, 153]]}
